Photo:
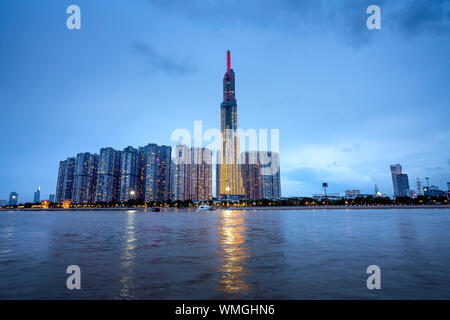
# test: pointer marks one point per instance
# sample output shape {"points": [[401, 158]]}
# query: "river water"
{"points": [[245, 254]]}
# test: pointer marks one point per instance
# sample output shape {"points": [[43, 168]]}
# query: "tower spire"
{"points": [[228, 61]]}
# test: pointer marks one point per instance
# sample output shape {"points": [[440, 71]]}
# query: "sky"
{"points": [[348, 101]]}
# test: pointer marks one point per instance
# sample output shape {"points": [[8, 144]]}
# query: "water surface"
{"points": [[269, 254]]}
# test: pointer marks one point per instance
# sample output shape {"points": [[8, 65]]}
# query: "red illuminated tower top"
{"points": [[228, 61]]}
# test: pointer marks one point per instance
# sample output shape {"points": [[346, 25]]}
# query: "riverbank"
{"points": [[252, 208]]}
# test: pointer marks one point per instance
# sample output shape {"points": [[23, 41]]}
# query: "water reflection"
{"points": [[128, 256], [232, 252]]}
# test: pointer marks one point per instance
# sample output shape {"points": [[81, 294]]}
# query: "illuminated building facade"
{"points": [[162, 177], [155, 172], [149, 154], [261, 174], [191, 174], [85, 178], [13, 199], [129, 174], [199, 175], [178, 173], [251, 175], [64, 184], [108, 181], [270, 169], [229, 179]]}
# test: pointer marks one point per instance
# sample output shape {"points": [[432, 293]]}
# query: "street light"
{"points": [[132, 193]]}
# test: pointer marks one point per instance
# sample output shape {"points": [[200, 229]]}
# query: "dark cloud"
{"points": [[157, 62], [345, 18], [419, 16]]}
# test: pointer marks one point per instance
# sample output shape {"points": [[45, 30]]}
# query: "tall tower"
{"points": [[229, 178]]}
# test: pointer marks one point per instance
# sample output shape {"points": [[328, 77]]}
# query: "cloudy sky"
{"points": [[348, 101]]}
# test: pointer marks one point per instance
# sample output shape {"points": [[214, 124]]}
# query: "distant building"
{"points": [[85, 178], [64, 184], [108, 180], [3, 203], [51, 197], [399, 181], [329, 196], [433, 191], [13, 199], [37, 195], [352, 193]]}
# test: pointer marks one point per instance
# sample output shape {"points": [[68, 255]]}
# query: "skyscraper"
{"points": [[149, 155], [400, 181], [13, 199], [108, 181], [129, 174], [270, 170], [191, 174], [85, 178], [37, 195], [51, 197], [199, 175], [251, 175], [178, 173], [64, 184], [229, 179], [162, 178], [261, 174]]}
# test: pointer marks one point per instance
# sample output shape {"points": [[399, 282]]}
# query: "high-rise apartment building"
{"points": [[85, 178], [261, 174], [199, 175], [270, 171], [229, 178], [178, 173], [251, 175], [64, 184], [129, 174], [108, 181], [191, 174], [162, 177]]}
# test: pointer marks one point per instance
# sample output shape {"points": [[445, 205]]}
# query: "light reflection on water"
{"points": [[128, 256], [232, 252]]}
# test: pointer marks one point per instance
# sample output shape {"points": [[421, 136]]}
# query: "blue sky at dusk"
{"points": [[348, 101]]}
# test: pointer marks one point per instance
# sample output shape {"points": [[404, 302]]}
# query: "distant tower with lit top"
{"points": [[229, 178]]}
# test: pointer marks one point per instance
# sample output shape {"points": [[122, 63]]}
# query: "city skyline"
{"points": [[371, 104]]}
